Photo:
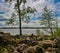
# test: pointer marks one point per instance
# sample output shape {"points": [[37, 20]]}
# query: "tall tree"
{"points": [[47, 19], [22, 13]]}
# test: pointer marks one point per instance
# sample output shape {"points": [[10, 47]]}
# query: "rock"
{"points": [[22, 47], [30, 50], [24, 51], [15, 52], [6, 51], [38, 49]]}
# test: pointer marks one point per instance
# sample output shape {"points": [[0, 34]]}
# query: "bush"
{"points": [[10, 49], [3, 42], [52, 38], [58, 43], [1, 50]]}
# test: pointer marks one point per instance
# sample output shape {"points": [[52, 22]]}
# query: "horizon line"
{"points": [[29, 27]]}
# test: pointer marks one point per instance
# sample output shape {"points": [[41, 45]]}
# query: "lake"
{"points": [[25, 30], [16, 31]]}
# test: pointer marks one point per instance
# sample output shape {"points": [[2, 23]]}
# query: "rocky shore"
{"points": [[28, 44]]}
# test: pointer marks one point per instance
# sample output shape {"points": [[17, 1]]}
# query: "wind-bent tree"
{"points": [[47, 19], [38, 32], [57, 29], [23, 14]]}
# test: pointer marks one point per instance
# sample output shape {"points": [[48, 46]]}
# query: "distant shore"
{"points": [[25, 30], [16, 31], [26, 27]]}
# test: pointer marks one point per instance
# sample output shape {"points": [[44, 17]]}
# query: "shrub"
{"points": [[58, 43], [10, 49], [1, 50]]}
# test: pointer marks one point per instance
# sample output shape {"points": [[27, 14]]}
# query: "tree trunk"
{"points": [[51, 31], [20, 28], [50, 27]]}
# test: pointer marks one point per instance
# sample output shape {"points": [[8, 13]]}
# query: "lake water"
{"points": [[25, 31], [16, 31]]}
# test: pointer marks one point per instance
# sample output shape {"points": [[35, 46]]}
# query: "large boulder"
{"points": [[38, 49]]}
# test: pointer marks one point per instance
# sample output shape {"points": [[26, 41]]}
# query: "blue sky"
{"points": [[2, 12], [1, 1], [56, 1], [54, 5]]}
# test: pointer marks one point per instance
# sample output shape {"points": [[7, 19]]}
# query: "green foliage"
{"points": [[57, 32], [23, 14], [2, 50], [46, 19], [38, 32], [3, 42], [58, 43], [10, 49], [0, 30]]}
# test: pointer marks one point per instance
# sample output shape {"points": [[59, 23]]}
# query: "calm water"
{"points": [[16, 31], [25, 31]]}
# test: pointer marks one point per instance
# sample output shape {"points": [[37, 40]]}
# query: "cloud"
{"points": [[4, 7], [37, 4], [40, 4]]}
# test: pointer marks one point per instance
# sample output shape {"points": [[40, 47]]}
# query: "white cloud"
{"points": [[32, 23], [4, 7], [37, 4]]}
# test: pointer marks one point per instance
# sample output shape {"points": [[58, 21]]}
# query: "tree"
{"points": [[57, 32], [23, 14], [57, 29], [38, 32], [47, 19]]}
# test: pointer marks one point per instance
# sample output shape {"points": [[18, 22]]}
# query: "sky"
{"points": [[6, 9]]}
